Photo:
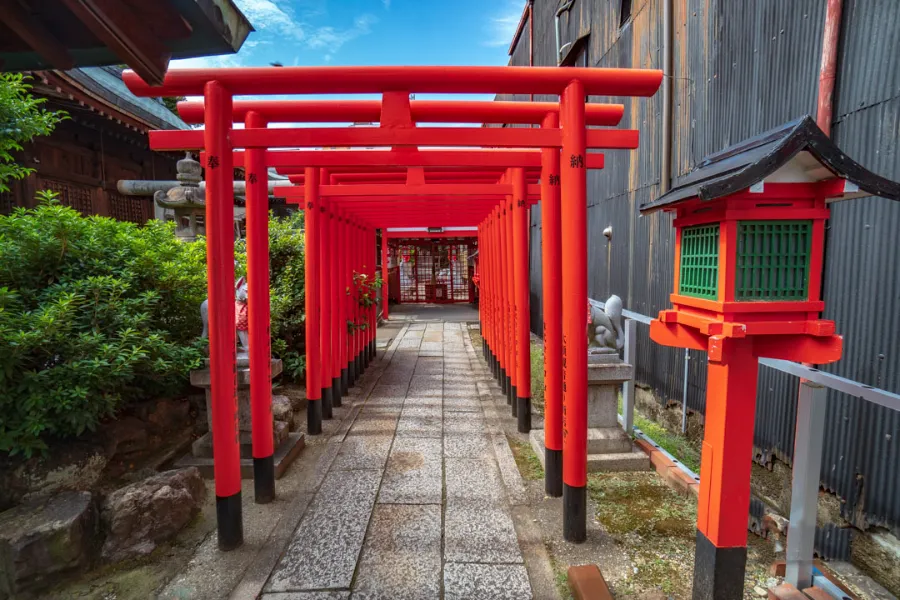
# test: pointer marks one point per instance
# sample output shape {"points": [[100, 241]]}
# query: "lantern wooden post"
{"points": [[220, 274], [573, 232], [257, 181], [522, 312], [313, 311], [551, 267]]}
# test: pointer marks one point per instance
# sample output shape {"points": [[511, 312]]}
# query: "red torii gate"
{"points": [[218, 138]]}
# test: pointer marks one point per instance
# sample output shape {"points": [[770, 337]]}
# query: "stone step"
{"points": [[635, 460]]}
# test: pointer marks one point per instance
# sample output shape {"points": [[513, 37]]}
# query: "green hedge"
{"points": [[96, 312]]}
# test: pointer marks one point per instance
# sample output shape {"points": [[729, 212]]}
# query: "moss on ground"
{"points": [[527, 461], [654, 524]]}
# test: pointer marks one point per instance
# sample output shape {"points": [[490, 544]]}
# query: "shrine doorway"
{"points": [[436, 271]]}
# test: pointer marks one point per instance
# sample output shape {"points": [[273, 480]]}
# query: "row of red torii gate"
{"points": [[354, 181]]}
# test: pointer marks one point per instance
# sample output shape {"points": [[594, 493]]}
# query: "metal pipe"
{"points": [[565, 7], [666, 154], [828, 69]]}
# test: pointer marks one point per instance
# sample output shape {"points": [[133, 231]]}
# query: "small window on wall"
{"points": [[624, 12]]}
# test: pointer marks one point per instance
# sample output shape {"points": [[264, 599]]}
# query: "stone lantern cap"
{"points": [[796, 152]]}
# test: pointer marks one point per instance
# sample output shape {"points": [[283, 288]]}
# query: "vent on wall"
{"points": [[624, 12]]}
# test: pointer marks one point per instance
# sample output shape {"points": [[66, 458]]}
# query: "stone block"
{"points": [[282, 409], [785, 591], [203, 446], [586, 583], [41, 542], [606, 440], [139, 516]]}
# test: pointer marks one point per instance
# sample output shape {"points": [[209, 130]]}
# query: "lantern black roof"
{"points": [[797, 151]]}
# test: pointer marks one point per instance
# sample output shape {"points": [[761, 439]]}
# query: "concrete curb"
{"points": [[672, 474]]}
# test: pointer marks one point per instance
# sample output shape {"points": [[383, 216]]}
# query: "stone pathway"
{"points": [[415, 504]]}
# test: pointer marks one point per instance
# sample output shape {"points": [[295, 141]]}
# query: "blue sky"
{"points": [[373, 32]]}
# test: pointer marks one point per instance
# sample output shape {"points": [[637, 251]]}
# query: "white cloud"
{"points": [[278, 22], [269, 15], [332, 39], [502, 26]]}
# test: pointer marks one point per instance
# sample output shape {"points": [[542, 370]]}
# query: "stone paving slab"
{"points": [[401, 559], [420, 426], [486, 582], [468, 445], [363, 452], [414, 473], [327, 543], [478, 531], [472, 479]]}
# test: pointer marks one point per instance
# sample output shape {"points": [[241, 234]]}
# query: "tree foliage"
{"points": [[22, 118]]}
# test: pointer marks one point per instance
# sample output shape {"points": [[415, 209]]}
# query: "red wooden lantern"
{"points": [[750, 239]]}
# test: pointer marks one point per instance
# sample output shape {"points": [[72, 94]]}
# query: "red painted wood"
{"points": [[258, 298], [422, 111], [417, 79], [220, 275]]}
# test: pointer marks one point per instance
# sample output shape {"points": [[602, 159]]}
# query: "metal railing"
{"points": [[809, 436]]}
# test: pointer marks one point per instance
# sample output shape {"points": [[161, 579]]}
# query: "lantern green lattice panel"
{"points": [[699, 272], [772, 260]]}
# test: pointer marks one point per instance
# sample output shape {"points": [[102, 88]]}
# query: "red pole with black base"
{"points": [[326, 302], [335, 286], [504, 309], [342, 301], [257, 180], [220, 275], [521, 310], [551, 265], [313, 311], [511, 333], [574, 302]]}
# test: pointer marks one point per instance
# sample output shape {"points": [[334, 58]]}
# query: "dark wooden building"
{"points": [[103, 140]]}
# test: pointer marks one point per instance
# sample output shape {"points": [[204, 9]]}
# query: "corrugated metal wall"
{"points": [[740, 68]]}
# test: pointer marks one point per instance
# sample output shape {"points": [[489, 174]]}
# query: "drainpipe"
{"points": [[830, 38], [665, 176], [565, 7]]}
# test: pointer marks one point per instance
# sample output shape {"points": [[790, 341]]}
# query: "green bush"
{"points": [[93, 312]]}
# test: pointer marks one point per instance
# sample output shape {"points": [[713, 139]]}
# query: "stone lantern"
{"points": [[187, 200]]}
